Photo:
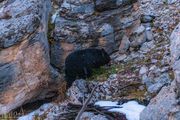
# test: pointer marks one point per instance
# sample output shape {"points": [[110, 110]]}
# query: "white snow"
{"points": [[53, 17], [38, 112], [106, 103], [28, 116], [131, 109], [1, 10]]}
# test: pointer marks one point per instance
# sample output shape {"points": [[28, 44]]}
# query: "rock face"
{"points": [[175, 53], [25, 71], [165, 105], [113, 25]]}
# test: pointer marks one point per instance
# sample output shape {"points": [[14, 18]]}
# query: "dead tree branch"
{"points": [[85, 104]]}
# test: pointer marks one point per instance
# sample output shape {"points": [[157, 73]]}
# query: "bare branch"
{"points": [[85, 104]]}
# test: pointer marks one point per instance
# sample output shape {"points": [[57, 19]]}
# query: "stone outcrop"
{"points": [[175, 53], [113, 25], [25, 71], [113, 88], [165, 106]]}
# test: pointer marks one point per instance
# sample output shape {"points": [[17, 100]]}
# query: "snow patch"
{"points": [[131, 109], [38, 112], [54, 16], [106, 103], [1, 10]]}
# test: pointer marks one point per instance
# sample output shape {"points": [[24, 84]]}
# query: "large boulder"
{"points": [[165, 106], [175, 53], [25, 71]]}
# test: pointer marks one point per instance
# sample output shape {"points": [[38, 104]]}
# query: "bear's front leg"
{"points": [[87, 72], [70, 80]]}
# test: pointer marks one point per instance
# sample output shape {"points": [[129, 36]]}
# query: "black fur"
{"points": [[79, 63]]}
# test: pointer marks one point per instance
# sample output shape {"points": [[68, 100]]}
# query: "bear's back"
{"points": [[82, 55], [80, 63]]}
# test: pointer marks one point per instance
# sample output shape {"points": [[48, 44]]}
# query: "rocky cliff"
{"points": [[165, 106], [37, 35], [25, 71], [27, 49]]}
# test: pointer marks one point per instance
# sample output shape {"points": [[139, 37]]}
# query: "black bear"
{"points": [[79, 63]]}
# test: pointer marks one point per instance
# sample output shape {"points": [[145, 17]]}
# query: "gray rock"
{"points": [[56, 55], [154, 71], [172, 1], [92, 116], [107, 31], [149, 35], [120, 58], [146, 80], [147, 46], [125, 43], [7, 74], [159, 83], [163, 106], [139, 30], [103, 5], [165, 1], [78, 91], [81, 89], [87, 115], [57, 2], [25, 71], [73, 31], [154, 61], [73, 8], [134, 55], [138, 37], [143, 70], [147, 18], [153, 68], [175, 55], [12, 17], [154, 84]]}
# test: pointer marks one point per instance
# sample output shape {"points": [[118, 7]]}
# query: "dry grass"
{"points": [[61, 92]]}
